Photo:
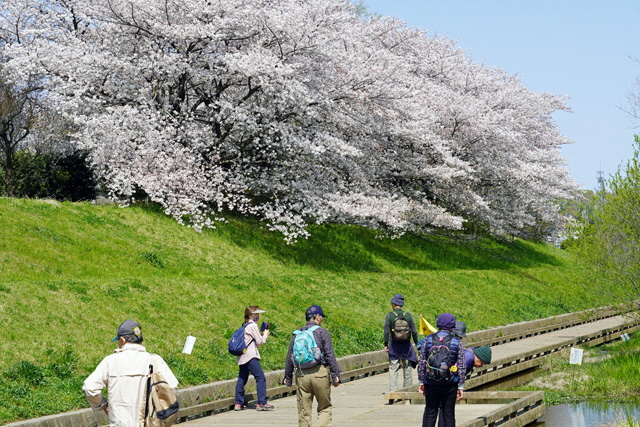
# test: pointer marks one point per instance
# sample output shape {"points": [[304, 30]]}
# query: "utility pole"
{"points": [[600, 179]]}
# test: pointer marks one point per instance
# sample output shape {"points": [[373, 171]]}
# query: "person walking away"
{"points": [[313, 379], [441, 372], [125, 374], [473, 358], [249, 361], [399, 329]]}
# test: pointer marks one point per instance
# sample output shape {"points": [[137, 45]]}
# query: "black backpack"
{"points": [[439, 368], [401, 330]]}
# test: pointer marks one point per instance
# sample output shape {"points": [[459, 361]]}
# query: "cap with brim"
{"points": [[258, 311], [315, 310], [128, 327]]}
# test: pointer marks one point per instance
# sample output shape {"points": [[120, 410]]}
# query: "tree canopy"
{"points": [[296, 111], [610, 238]]}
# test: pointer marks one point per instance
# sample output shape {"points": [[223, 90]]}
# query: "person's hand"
{"points": [[287, 382], [336, 382], [421, 388], [386, 349], [106, 408], [265, 333], [459, 394]]}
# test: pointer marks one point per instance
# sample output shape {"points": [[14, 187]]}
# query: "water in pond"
{"points": [[588, 415]]}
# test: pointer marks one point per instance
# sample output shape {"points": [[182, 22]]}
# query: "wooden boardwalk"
{"points": [[356, 403], [363, 402]]}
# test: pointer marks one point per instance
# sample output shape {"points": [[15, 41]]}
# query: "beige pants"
{"points": [[407, 374], [315, 381]]}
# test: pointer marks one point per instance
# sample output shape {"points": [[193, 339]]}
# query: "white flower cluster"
{"points": [[296, 111]]}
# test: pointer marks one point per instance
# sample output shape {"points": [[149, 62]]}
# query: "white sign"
{"points": [[188, 344], [625, 337], [576, 356]]}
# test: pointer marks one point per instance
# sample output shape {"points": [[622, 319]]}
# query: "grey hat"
{"points": [[461, 329], [129, 327]]}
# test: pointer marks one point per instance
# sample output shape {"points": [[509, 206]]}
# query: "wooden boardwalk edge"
{"points": [[526, 406]]}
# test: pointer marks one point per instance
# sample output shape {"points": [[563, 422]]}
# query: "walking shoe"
{"points": [[238, 407], [265, 407]]}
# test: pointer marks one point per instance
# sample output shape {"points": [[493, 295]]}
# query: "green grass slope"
{"points": [[71, 272]]}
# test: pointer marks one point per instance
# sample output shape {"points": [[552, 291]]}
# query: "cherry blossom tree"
{"points": [[294, 111]]}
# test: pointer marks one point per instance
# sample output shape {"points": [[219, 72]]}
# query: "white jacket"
{"points": [[125, 374], [252, 339]]}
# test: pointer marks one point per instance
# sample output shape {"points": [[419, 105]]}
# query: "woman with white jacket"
{"points": [[249, 361]]}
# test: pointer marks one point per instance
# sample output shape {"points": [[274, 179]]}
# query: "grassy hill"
{"points": [[70, 273]]}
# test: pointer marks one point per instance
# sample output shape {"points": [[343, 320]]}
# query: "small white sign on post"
{"points": [[576, 356], [188, 344], [625, 337]]}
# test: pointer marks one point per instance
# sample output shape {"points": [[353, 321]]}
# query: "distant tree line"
{"points": [[607, 234]]}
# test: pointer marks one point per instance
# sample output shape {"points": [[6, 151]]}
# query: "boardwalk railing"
{"points": [[499, 369], [518, 331]]}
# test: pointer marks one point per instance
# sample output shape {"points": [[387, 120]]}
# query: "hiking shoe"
{"points": [[265, 407], [238, 407]]}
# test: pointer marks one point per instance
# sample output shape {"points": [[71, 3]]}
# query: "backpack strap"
{"points": [[148, 392], [244, 326]]}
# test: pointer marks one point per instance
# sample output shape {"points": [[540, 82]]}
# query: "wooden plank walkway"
{"points": [[356, 403], [364, 401]]}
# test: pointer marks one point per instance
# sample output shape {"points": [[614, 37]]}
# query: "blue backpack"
{"points": [[305, 349], [236, 342]]}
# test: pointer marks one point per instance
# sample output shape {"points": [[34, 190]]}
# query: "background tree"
{"points": [[297, 112], [54, 175], [19, 112], [610, 241]]}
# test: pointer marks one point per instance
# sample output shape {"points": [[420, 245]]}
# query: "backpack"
{"points": [[401, 330], [236, 342], [161, 405], [305, 349], [439, 368]]}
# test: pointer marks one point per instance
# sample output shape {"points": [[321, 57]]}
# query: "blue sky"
{"points": [[588, 50]]}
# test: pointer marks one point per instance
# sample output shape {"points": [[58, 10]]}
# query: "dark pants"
{"points": [[253, 367], [440, 398]]}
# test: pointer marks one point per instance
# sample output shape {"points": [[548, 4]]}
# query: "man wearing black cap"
{"points": [[397, 343], [314, 379], [125, 374]]}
